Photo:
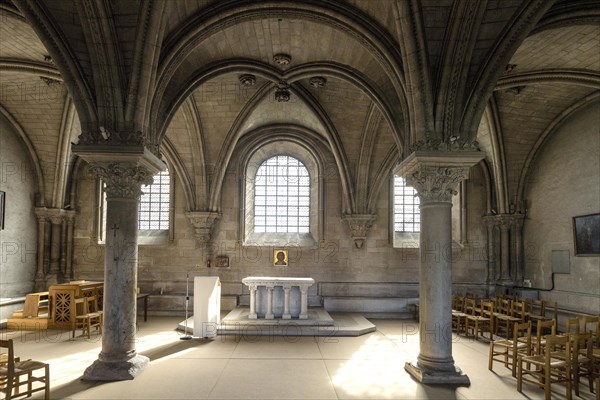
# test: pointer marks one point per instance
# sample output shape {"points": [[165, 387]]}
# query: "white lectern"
{"points": [[207, 305]]}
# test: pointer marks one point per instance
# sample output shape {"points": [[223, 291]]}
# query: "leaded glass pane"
{"points": [[406, 207], [154, 203], [282, 183]]}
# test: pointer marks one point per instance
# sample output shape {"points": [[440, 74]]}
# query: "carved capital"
{"points": [[453, 143], [505, 221], [359, 225], [123, 180], [41, 213], [203, 223], [436, 184], [435, 175]]}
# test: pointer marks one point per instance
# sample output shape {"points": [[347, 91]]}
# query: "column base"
{"points": [[303, 316], [51, 279], [40, 284], [434, 377], [269, 316], [253, 316], [115, 371]]}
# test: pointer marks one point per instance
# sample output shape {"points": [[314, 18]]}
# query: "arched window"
{"points": [[407, 216], [282, 196], [153, 212], [154, 219]]}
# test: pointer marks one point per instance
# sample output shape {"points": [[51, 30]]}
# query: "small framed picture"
{"points": [[280, 258], [222, 262]]}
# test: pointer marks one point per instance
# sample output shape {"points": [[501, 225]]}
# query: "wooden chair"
{"points": [[551, 310], [15, 373], [539, 341], [573, 326], [481, 320], [458, 316], [591, 324], [515, 313], [582, 360], [91, 318], [543, 370], [506, 351]]}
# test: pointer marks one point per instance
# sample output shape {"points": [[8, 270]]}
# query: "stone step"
{"points": [[26, 324], [369, 289], [400, 307], [164, 303]]}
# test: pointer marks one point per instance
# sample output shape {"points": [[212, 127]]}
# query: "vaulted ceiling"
{"points": [[394, 72]]}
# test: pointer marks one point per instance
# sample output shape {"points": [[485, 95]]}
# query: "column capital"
{"points": [[435, 175], [203, 223], [55, 215], [505, 221], [359, 225], [124, 166], [123, 180], [41, 213]]}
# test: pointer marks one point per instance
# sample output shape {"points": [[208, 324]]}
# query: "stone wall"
{"points": [[18, 240], [375, 276], [565, 183]]}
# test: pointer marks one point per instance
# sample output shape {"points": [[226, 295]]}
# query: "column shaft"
{"points": [[269, 313], [303, 302], [435, 322], [504, 252], [252, 314], [120, 279], [286, 302]]}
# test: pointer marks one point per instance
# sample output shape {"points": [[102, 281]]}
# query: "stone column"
{"points": [[303, 302], [40, 274], [517, 235], [70, 234], [118, 359], [286, 302], [55, 245], [269, 312], [490, 223], [436, 176], [504, 224], [252, 314], [63, 249]]}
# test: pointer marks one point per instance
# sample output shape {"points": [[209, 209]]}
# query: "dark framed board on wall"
{"points": [[586, 234]]}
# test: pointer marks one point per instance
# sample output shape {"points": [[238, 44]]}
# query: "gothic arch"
{"points": [[35, 161], [543, 138]]}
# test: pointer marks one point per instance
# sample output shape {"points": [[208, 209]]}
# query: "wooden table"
{"points": [[145, 297]]}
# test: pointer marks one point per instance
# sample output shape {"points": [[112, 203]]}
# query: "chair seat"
{"points": [[509, 343], [28, 365], [478, 317], [89, 315], [540, 360]]}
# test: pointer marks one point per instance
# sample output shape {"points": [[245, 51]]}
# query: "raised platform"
{"points": [[318, 323]]}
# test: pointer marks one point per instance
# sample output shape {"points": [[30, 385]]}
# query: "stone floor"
{"points": [[270, 367]]}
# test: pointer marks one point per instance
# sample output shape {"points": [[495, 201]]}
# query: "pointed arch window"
{"points": [[407, 215], [153, 213], [282, 196]]}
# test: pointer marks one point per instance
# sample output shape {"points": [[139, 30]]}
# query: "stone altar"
{"points": [[280, 297]]}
